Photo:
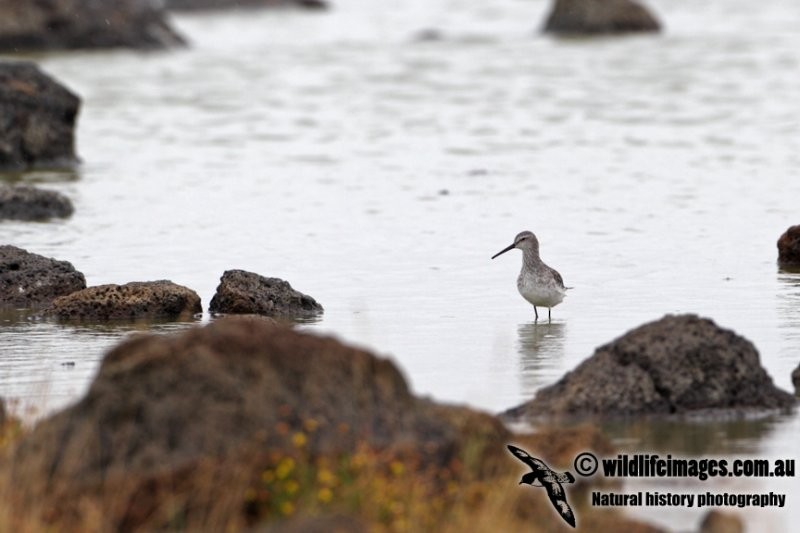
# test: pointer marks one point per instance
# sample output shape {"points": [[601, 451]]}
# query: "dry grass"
{"points": [[382, 492]]}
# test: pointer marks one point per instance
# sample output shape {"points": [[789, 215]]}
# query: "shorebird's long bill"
{"points": [[504, 250]]}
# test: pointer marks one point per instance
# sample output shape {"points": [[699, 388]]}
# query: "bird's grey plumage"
{"points": [[538, 283]]}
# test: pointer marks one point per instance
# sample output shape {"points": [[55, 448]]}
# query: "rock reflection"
{"points": [[694, 437], [789, 324]]}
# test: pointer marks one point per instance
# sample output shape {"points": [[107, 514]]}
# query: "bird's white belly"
{"points": [[538, 291]]}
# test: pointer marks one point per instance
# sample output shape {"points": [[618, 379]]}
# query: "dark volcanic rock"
{"points": [[241, 292], [599, 16], [678, 364], [73, 24], [716, 521], [166, 403], [23, 202], [796, 380], [37, 118], [30, 280], [244, 377], [789, 248], [219, 4], [136, 300]]}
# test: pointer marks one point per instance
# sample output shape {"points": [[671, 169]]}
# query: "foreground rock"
{"points": [[679, 364], [241, 292], [219, 4], [73, 24], [23, 202], [136, 300], [599, 16], [29, 280], [166, 402], [789, 248], [37, 118], [242, 423]]}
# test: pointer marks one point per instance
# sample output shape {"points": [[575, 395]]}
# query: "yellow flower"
{"points": [[326, 477], [299, 440], [287, 508], [325, 495], [267, 476], [397, 468], [291, 486], [285, 468]]}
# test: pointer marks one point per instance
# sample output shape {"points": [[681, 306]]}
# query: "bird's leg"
{"points": [[536, 312], [548, 315]]}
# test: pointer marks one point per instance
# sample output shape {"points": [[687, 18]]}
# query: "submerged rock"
{"points": [[789, 248], [241, 292], [29, 280], [24, 202], [74, 24], [599, 16], [678, 364], [136, 300], [219, 4], [37, 118]]}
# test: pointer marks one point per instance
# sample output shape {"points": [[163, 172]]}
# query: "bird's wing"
{"points": [[526, 458], [556, 493], [558, 278], [566, 477]]}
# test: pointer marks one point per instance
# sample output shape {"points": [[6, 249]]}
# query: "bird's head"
{"points": [[524, 241]]}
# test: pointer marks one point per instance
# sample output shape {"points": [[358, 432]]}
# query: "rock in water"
{"points": [[678, 364], [716, 521], [235, 4], [599, 17], [29, 280], [75, 24], [23, 202], [789, 248], [136, 300], [241, 292], [37, 118]]}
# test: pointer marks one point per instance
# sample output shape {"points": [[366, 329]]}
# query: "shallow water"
{"points": [[379, 172]]}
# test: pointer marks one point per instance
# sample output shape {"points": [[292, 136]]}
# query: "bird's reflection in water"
{"points": [[541, 350]]}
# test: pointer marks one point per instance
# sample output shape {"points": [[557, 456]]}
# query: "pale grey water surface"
{"points": [[379, 172]]}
